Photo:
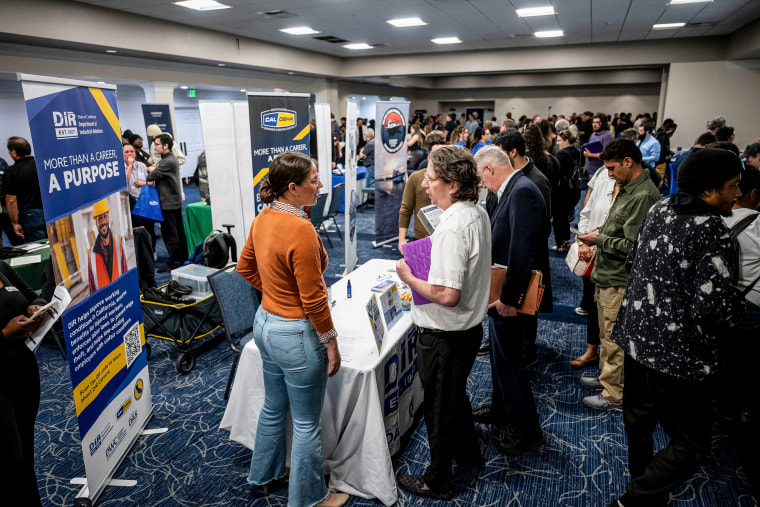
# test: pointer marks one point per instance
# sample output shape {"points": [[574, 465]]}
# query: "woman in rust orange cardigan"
{"points": [[285, 259]]}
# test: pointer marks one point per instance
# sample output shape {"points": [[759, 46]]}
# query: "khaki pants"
{"points": [[611, 356]]}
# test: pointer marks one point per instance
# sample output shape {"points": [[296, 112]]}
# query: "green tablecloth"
{"points": [[29, 266], [198, 224]]}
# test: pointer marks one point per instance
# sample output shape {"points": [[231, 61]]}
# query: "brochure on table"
{"points": [[384, 311]]}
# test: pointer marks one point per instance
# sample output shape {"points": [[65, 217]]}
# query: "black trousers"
{"points": [[173, 232], [684, 410], [512, 399], [445, 361], [588, 304], [19, 402]]}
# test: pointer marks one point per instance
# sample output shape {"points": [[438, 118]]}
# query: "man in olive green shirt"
{"points": [[637, 194]]}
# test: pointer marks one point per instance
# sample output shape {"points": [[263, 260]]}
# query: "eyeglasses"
{"points": [[427, 180]]}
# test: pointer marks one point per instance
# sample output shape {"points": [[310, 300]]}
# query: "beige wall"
{"points": [[700, 91]]}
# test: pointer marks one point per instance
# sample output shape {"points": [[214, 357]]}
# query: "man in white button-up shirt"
{"points": [[450, 332]]}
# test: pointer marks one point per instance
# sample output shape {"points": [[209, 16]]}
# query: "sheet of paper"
{"points": [[28, 259], [61, 299]]}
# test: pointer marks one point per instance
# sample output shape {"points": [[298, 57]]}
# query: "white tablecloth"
{"points": [[370, 403]]}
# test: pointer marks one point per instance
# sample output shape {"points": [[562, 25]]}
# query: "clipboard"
{"points": [[533, 295]]}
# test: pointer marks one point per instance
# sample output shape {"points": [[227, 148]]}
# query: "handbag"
{"points": [[148, 205], [573, 260]]}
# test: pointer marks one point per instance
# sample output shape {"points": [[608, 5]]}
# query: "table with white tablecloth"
{"points": [[370, 403]]}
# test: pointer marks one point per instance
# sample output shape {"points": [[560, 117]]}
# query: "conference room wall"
{"points": [[700, 91], [563, 100]]}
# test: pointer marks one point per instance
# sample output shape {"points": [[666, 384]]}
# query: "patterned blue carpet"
{"points": [[195, 463]]}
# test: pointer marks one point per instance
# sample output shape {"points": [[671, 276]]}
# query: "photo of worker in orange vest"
{"points": [[107, 260]]}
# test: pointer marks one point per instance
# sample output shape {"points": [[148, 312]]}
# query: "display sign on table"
{"points": [[77, 142], [279, 123]]}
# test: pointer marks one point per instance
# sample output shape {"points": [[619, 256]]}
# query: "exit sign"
{"points": [[191, 93]]}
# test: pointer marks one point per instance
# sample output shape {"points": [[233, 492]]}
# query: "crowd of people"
{"points": [[673, 253]]}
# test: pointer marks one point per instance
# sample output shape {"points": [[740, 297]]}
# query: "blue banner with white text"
{"points": [[279, 123], [80, 166]]}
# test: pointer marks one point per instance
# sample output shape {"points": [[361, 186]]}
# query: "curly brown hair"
{"points": [[455, 164]]}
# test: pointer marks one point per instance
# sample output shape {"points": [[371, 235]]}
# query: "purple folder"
{"points": [[417, 256]]}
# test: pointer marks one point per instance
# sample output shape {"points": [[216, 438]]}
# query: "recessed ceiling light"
{"points": [[364, 98], [358, 45], [549, 33], [402, 22], [222, 64], [202, 5], [183, 87], [111, 51], [446, 40], [299, 30], [535, 11], [667, 26], [291, 73], [676, 2]]}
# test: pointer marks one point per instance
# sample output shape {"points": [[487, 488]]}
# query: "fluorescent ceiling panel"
{"points": [[535, 11], [404, 22], [202, 5], [358, 45], [446, 40], [676, 2], [299, 30], [667, 26], [549, 33]]}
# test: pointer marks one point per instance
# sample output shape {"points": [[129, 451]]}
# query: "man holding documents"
{"points": [[600, 137], [519, 224], [636, 195], [449, 326]]}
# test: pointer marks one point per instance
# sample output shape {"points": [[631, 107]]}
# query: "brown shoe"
{"points": [[581, 362], [334, 500]]}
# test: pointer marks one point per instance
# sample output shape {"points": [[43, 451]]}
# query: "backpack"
{"points": [[579, 178], [216, 249]]}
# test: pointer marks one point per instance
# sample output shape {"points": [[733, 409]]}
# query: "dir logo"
{"points": [[138, 389], [65, 125], [95, 445], [278, 119]]}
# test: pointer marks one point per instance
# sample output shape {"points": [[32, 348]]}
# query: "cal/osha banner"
{"points": [[279, 123], [77, 144], [390, 166]]}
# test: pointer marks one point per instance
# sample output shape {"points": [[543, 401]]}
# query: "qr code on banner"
{"points": [[132, 343]]}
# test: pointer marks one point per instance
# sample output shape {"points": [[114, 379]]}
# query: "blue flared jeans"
{"points": [[295, 378]]}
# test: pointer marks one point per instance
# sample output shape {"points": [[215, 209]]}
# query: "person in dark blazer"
{"points": [[518, 226], [513, 144]]}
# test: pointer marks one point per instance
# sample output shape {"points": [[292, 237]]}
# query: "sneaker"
{"points": [[602, 404], [580, 311], [592, 383]]}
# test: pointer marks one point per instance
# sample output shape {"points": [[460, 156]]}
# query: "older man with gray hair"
{"points": [[518, 240]]}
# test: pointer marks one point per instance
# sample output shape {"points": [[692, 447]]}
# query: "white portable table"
{"points": [[370, 403]]}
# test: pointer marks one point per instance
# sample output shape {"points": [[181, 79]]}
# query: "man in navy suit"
{"points": [[513, 144], [518, 225]]}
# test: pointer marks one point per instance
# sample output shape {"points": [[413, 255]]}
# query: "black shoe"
{"points": [[484, 415], [485, 347], [513, 443], [415, 484], [177, 289]]}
